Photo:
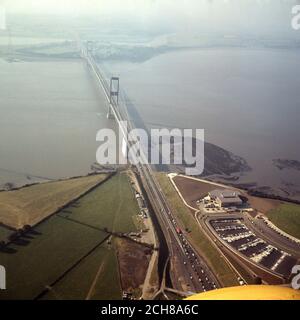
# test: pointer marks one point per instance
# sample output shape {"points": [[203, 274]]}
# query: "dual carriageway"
{"points": [[191, 270]]}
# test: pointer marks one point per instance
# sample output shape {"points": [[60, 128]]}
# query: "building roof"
{"points": [[226, 196]]}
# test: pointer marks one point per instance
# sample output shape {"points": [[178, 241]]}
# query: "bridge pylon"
{"points": [[113, 92], [114, 88]]}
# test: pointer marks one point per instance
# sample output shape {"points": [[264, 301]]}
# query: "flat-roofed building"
{"points": [[226, 198]]}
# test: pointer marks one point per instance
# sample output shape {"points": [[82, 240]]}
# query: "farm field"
{"points": [[30, 205], [193, 190], [68, 252], [96, 277], [39, 258], [111, 206]]}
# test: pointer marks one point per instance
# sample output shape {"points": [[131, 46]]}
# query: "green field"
{"points": [[58, 243], [287, 218], [96, 277], [41, 259], [198, 238], [109, 206], [32, 204]]}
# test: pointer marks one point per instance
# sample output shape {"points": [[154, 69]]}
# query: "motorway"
{"points": [[193, 272]]}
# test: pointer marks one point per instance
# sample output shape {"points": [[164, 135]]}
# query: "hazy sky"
{"points": [[270, 16], [138, 6]]}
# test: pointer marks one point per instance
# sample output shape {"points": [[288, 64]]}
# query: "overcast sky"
{"points": [[138, 6], [260, 15]]}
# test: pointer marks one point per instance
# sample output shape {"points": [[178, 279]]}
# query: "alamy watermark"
{"points": [[296, 17], [2, 278], [157, 147], [296, 279]]}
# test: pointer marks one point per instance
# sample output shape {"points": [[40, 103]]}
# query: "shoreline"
{"points": [[27, 185], [249, 190], [214, 165]]}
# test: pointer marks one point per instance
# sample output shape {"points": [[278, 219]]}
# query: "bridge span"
{"points": [[194, 273]]}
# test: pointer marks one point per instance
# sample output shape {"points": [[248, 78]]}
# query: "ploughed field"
{"points": [[193, 190]]}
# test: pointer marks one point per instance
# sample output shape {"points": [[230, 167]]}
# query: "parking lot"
{"points": [[236, 234]]}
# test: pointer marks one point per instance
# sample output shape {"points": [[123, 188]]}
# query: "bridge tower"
{"points": [[113, 92], [90, 47]]}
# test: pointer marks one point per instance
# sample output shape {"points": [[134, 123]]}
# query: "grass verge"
{"points": [[287, 218]]}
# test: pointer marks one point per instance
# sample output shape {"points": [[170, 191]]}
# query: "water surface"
{"points": [[49, 115], [247, 100]]}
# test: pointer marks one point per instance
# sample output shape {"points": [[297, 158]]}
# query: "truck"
{"points": [[178, 230]]}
